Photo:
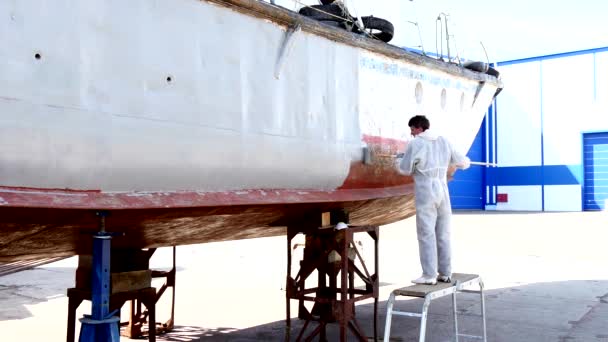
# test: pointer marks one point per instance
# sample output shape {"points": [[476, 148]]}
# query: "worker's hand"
{"points": [[451, 173]]}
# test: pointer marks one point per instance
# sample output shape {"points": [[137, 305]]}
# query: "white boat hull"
{"points": [[173, 104]]}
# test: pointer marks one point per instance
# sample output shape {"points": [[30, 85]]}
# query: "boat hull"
{"points": [[199, 121], [29, 233]]}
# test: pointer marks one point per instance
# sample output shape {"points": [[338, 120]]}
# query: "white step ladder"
{"points": [[430, 292]]}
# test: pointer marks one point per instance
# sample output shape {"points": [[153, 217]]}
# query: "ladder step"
{"points": [[440, 289], [477, 337], [409, 314]]}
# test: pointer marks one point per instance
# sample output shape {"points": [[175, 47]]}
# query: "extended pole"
{"points": [[483, 163]]}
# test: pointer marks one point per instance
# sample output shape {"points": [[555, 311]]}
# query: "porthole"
{"points": [[418, 93], [462, 101]]}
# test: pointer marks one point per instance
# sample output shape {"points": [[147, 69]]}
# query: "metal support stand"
{"points": [[127, 269], [101, 325], [331, 253]]}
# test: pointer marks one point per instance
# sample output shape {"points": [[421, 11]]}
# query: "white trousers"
{"points": [[433, 217]]}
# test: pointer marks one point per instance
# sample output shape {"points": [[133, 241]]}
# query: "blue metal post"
{"points": [[101, 325]]}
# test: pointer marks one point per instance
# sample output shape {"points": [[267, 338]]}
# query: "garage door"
{"points": [[466, 189], [595, 161]]}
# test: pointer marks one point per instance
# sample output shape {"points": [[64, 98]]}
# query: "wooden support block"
{"points": [[325, 219], [120, 281], [129, 270], [131, 281]]}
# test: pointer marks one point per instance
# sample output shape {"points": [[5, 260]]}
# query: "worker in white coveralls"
{"points": [[427, 158]]}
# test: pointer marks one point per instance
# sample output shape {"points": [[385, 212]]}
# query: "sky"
{"points": [[509, 30], [519, 29]]}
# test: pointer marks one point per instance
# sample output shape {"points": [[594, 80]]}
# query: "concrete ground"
{"points": [[546, 278]]}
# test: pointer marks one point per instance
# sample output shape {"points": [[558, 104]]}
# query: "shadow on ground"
{"points": [[574, 310], [44, 284]]}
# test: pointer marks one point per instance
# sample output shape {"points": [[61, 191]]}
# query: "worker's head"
{"points": [[418, 124]]}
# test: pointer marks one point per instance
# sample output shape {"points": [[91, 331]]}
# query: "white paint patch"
{"points": [[116, 112], [136, 194]]}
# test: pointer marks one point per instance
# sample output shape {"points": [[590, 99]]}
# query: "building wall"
{"points": [[546, 106]]}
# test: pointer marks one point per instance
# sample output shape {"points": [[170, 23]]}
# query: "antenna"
{"points": [[419, 35], [440, 40], [447, 35], [418, 28], [485, 52], [457, 56]]}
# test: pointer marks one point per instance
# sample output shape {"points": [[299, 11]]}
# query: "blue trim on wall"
{"points": [[491, 151], [542, 137], [553, 56], [537, 175], [495, 149], [487, 184], [490, 184], [484, 153]]}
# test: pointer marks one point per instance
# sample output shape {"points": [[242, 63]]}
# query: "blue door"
{"points": [[467, 187], [595, 162]]}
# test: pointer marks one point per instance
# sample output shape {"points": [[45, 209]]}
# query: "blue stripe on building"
{"points": [[536, 175]]}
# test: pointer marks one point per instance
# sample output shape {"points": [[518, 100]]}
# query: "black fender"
{"points": [[330, 12], [477, 66], [382, 29], [493, 72]]}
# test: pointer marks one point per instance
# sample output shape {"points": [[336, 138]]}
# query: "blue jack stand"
{"points": [[101, 325]]}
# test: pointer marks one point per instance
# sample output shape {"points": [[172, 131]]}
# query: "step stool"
{"points": [[430, 292]]}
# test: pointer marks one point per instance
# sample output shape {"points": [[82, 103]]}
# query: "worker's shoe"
{"points": [[444, 278], [425, 280]]}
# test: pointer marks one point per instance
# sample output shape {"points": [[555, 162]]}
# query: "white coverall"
{"points": [[427, 157]]}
